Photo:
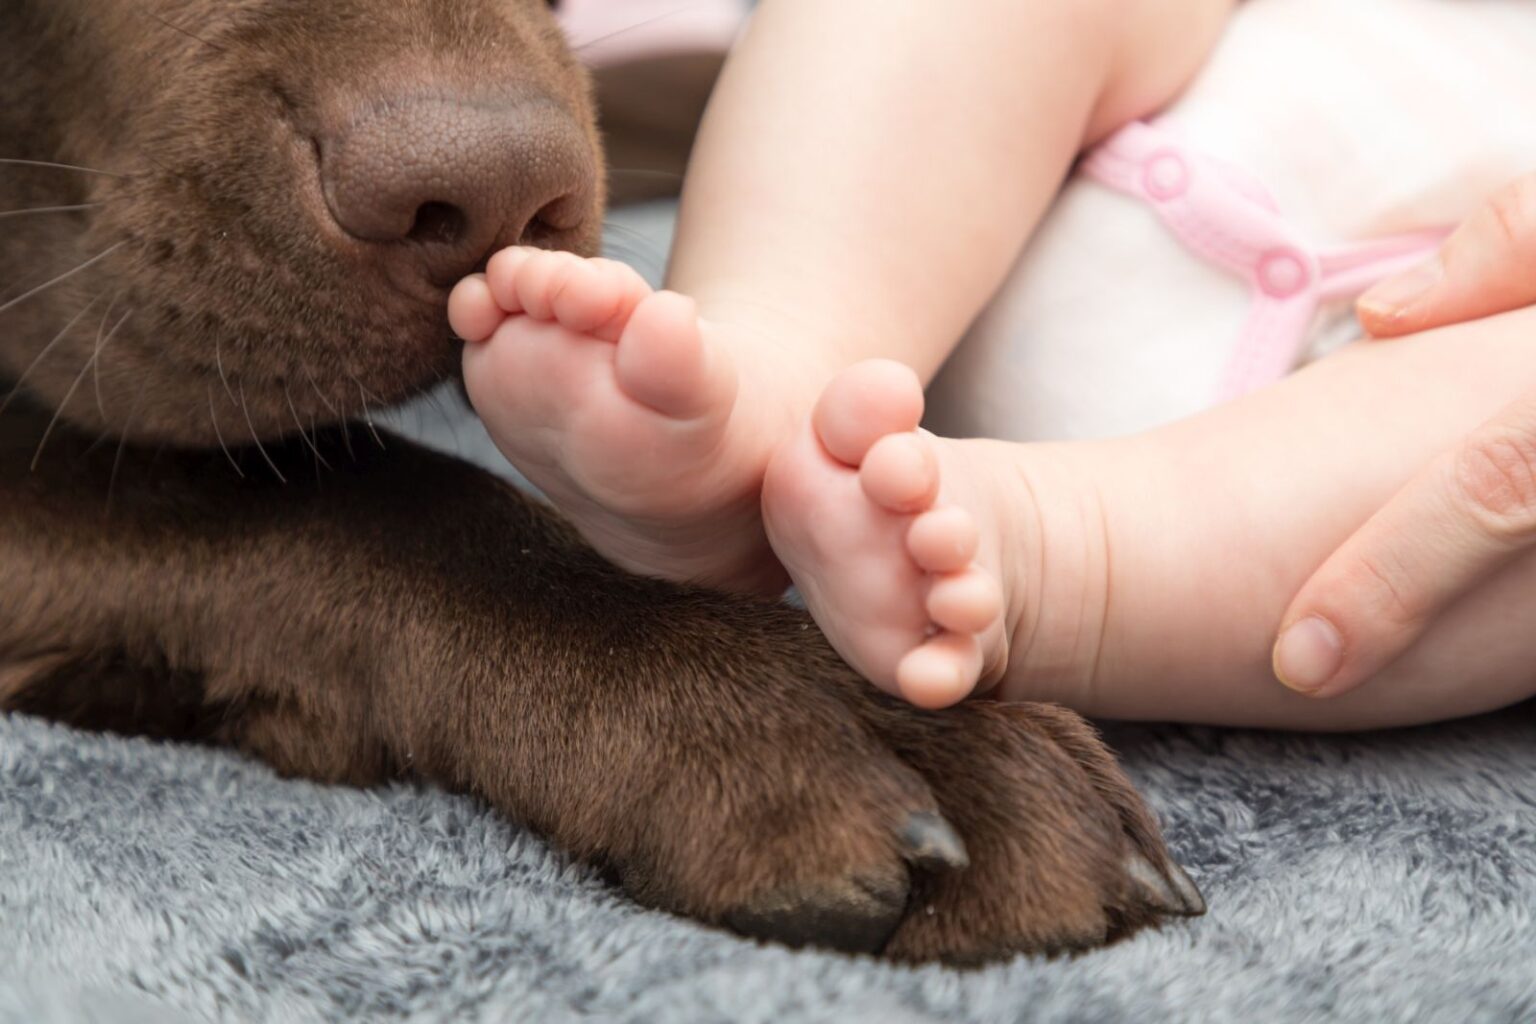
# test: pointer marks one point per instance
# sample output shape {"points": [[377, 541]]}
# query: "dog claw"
{"points": [[856, 917], [1170, 893], [1194, 902], [931, 844]]}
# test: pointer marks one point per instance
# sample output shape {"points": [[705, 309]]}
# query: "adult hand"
{"points": [[1488, 266], [1466, 514]]}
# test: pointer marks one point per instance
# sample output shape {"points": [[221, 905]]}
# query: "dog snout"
{"points": [[439, 184]]}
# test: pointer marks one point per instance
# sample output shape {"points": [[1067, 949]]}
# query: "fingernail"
{"points": [[1308, 654], [1393, 297]]}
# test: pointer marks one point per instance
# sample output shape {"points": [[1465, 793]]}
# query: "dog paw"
{"points": [[715, 757], [1063, 853], [756, 801], [784, 798]]}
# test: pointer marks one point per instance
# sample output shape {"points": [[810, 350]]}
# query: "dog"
{"points": [[228, 233]]}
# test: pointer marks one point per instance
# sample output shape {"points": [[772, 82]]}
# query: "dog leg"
{"points": [[405, 613]]}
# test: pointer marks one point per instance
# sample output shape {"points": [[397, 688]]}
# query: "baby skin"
{"points": [[623, 406], [653, 428], [617, 403], [1134, 578]]}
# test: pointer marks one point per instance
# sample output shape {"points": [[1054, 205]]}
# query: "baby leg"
{"points": [[1214, 523], [866, 204], [1145, 577]]}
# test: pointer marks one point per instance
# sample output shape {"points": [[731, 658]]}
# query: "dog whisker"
{"points": [[646, 172], [623, 254], [320, 459], [58, 411], [578, 47], [631, 245], [43, 354], [645, 262], [315, 387], [24, 296], [96, 442], [218, 361], [213, 417], [100, 344], [177, 28], [341, 418], [368, 413], [62, 167], [259, 446], [96, 360], [638, 236], [122, 444], [434, 399], [8, 214]]}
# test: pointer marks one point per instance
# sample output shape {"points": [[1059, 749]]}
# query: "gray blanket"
{"points": [[1378, 878], [1372, 878]]}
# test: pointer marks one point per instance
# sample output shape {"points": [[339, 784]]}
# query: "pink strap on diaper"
{"points": [[1230, 220]]}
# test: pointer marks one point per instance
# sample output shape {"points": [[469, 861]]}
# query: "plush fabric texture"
{"points": [[1369, 878], [1389, 877]]}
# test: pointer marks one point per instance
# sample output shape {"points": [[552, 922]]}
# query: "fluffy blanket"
{"points": [[1369, 878], [1389, 877]]}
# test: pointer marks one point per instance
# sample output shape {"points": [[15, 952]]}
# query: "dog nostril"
{"points": [[443, 223], [553, 218], [536, 233]]}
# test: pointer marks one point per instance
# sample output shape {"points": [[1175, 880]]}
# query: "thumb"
{"points": [[1487, 266]]}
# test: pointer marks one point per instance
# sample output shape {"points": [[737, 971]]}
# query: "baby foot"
{"points": [[893, 538], [621, 407]]}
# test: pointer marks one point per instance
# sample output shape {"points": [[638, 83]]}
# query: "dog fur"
{"points": [[201, 537]]}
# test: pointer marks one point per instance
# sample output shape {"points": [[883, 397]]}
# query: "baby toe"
{"points": [[900, 473], [472, 310], [622, 277], [944, 539], [583, 297], [940, 673], [865, 403], [965, 602], [627, 288], [541, 277], [664, 364], [501, 274]]}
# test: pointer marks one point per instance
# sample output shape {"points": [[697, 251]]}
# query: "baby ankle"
{"points": [[1057, 581]]}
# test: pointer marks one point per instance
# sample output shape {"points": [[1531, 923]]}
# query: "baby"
{"points": [[862, 186]]}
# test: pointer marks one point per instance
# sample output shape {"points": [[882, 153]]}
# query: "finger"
{"points": [[1466, 515], [1488, 266]]}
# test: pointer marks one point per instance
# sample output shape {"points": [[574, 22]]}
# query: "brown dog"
{"points": [[265, 204]]}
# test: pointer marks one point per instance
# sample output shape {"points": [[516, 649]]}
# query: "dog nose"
{"points": [[443, 183]]}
